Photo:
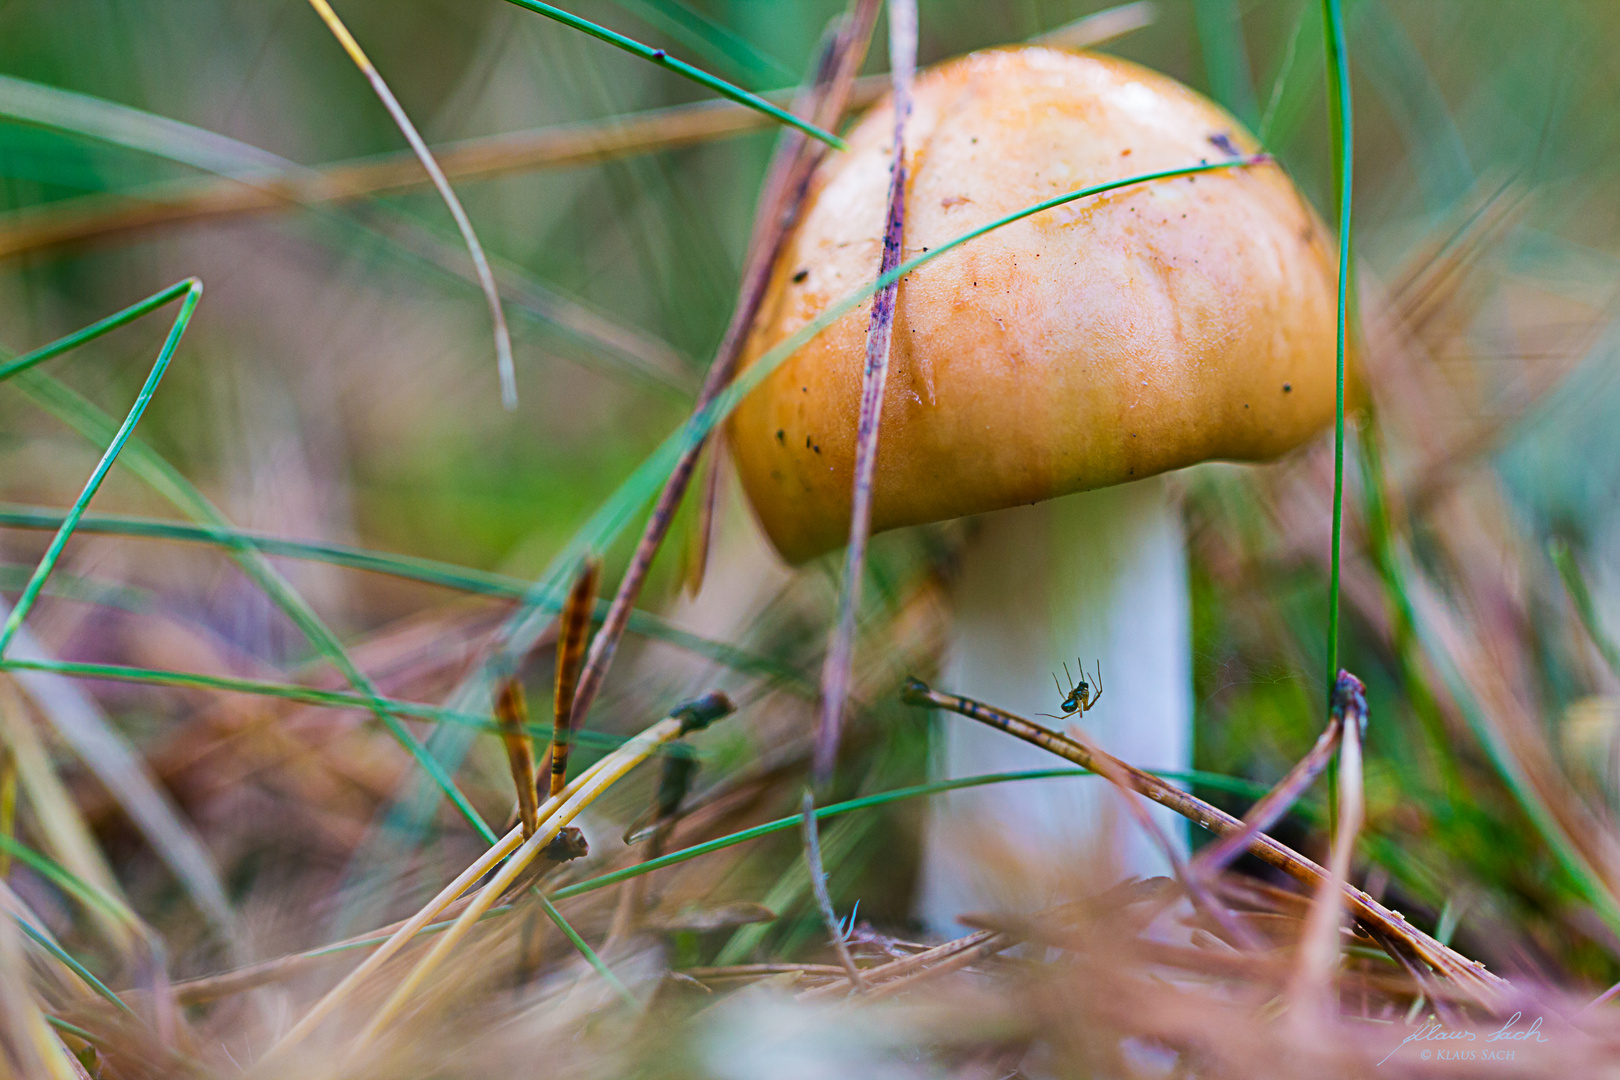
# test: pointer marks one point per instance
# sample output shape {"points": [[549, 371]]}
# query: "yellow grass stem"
{"points": [[588, 788], [446, 896]]}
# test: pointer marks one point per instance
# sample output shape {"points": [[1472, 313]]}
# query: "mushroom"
{"points": [[1044, 377]]}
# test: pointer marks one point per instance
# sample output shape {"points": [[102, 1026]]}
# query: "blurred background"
{"points": [[338, 387]]}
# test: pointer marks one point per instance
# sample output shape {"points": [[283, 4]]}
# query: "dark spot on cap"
{"points": [[1288, 388], [1223, 142], [801, 275], [807, 442], [781, 436], [1245, 404], [817, 449]]}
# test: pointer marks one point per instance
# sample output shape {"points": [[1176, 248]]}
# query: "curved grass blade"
{"points": [[1339, 110], [97, 329], [102, 749], [53, 552], [486, 279], [679, 67]]}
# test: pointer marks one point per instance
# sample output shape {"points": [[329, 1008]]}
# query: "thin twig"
{"points": [[790, 170], [1470, 975], [1272, 806], [1319, 945], [879, 338], [903, 974], [818, 888], [486, 278], [1194, 885]]}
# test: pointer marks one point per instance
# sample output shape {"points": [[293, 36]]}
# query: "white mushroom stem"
{"points": [[1100, 576]]}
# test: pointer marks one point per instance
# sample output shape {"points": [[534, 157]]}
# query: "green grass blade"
{"points": [[168, 481], [586, 951], [1226, 58], [1339, 110], [304, 695], [53, 552], [710, 40], [70, 883], [94, 330], [679, 67], [1569, 571], [82, 114], [406, 567], [1293, 85], [67, 960]]}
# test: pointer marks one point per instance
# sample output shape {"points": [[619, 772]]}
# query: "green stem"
{"points": [[680, 67], [53, 553], [1338, 62]]}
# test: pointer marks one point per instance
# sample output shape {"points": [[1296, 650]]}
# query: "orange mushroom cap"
{"points": [[1106, 340]]}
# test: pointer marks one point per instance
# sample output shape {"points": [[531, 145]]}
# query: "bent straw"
{"points": [[486, 277], [446, 896], [588, 788]]}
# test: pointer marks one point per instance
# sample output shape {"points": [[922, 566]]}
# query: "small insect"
{"points": [[1080, 696]]}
